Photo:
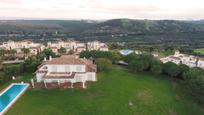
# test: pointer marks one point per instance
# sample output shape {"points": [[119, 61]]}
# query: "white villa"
{"points": [[76, 46], [68, 45], [96, 45], [67, 71], [189, 60], [34, 47]]}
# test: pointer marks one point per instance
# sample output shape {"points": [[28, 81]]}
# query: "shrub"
{"points": [[171, 69], [103, 64], [156, 66], [194, 79]]}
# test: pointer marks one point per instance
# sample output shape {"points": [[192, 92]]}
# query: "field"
{"points": [[117, 92], [200, 51]]}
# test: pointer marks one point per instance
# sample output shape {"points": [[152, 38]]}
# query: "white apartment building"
{"points": [[76, 46], [34, 47]]}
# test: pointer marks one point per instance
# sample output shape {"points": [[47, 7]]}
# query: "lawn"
{"points": [[200, 51], [117, 92]]}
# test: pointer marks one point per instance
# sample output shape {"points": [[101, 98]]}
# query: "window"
{"points": [[79, 68]]}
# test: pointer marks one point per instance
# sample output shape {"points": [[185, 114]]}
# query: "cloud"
{"points": [[103, 9]]}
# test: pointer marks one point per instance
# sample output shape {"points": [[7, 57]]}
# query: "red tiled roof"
{"points": [[71, 59]]}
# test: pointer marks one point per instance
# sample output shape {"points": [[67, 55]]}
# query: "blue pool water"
{"points": [[126, 52], [10, 94]]}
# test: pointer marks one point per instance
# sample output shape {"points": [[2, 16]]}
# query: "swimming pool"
{"points": [[10, 95], [126, 52]]}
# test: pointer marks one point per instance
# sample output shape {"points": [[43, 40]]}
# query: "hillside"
{"points": [[110, 26], [146, 26]]}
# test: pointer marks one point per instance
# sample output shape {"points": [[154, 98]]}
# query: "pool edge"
{"points": [[17, 97]]}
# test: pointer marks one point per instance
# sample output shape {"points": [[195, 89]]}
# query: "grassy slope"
{"points": [[200, 50], [110, 95]]}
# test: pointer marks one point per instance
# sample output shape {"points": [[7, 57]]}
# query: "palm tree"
{"points": [[2, 52], [12, 52], [25, 51]]}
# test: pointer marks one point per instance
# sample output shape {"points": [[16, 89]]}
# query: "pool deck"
{"points": [[16, 98]]}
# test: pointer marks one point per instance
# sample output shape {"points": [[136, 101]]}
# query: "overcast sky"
{"points": [[102, 9]]}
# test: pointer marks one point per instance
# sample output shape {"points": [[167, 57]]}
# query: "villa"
{"points": [[189, 60], [68, 45], [67, 71], [96, 45]]}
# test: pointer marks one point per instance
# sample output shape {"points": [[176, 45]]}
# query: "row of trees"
{"points": [[103, 59], [193, 78], [30, 65], [12, 52], [112, 56]]}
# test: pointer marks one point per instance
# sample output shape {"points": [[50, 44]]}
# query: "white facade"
{"points": [[189, 60], [96, 45], [34, 47], [77, 47], [73, 73]]}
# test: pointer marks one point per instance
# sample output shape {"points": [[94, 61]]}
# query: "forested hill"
{"points": [[147, 26], [103, 27]]}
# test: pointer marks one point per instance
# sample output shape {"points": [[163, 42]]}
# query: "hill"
{"points": [[146, 26]]}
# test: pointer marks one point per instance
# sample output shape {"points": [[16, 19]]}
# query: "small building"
{"points": [[67, 71]]}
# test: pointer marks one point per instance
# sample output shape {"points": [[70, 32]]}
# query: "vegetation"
{"points": [[62, 50], [171, 69], [116, 92], [199, 51], [25, 51], [48, 52], [103, 64], [113, 56], [194, 79]]}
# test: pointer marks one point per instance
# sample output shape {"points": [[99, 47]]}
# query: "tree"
{"points": [[2, 52], [156, 66], [12, 52], [12, 70], [103, 64], [171, 69], [31, 64], [136, 65], [48, 52], [25, 51], [194, 79], [183, 69], [62, 50]]}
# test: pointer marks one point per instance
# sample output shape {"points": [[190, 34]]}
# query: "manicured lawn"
{"points": [[117, 92], [200, 50]]}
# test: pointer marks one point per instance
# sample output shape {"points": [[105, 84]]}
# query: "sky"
{"points": [[102, 9]]}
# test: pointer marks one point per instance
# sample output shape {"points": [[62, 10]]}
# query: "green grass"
{"points": [[117, 92], [199, 50]]}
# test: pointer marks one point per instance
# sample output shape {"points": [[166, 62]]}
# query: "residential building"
{"points": [[18, 45], [189, 60], [96, 45], [67, 71]]}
